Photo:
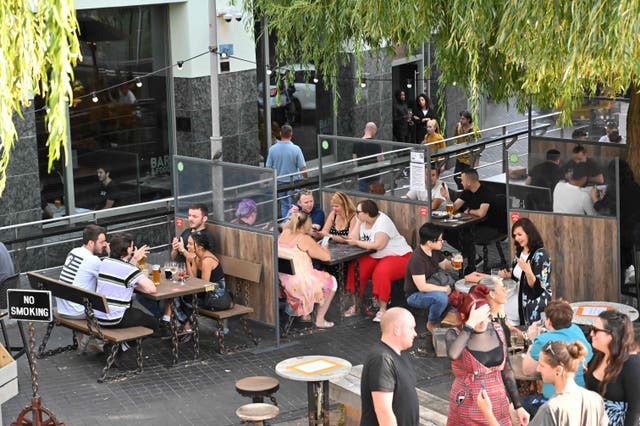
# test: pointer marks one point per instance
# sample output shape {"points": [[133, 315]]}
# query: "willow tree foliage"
{"points": [[38, 49], [550, 53]]}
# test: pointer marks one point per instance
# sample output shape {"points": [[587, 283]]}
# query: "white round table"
{"points": [[316, 370], [584, 313]]}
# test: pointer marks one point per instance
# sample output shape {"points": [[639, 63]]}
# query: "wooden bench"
{"points": [[247, 273], [90, 300], [346, 391]]}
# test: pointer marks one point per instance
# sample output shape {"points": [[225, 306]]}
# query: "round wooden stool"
{"points": [[257, 413], [258, 387]]}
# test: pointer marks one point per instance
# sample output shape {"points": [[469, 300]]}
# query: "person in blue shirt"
{"points": [[558, 327], [286, 158], [306, 203]]}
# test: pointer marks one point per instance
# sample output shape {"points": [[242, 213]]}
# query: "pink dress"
{"points": [[308, 286]]}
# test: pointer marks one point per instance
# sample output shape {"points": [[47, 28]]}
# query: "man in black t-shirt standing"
{"points": [[479, 201], [388, 384], [365, 149]]}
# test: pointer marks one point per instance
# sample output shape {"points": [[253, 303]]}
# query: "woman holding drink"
{"points": [[531, 270], [206, 266]]}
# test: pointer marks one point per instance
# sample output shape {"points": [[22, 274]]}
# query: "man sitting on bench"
{"points": [[117, 280], [81, 268]]}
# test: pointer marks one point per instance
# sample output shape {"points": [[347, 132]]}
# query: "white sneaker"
{"points": [[378, 316], [630, 275]]}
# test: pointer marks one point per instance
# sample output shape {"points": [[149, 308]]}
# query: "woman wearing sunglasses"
{"points": [[572, 405], [614, 371]]}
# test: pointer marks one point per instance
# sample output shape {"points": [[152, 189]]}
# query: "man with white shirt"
{"points": [[81, 268], [437, 187], [569, 197]]}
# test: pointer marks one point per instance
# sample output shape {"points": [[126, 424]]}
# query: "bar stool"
{"points": [[258, 387], [257, 413]]}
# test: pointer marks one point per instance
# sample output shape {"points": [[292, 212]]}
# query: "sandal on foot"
{"points": [[305, 318], [325, 324], [351, 311]]}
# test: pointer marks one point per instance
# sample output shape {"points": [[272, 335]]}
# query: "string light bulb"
{"points": [[180, 63], [138, 82], [316, 80], [364, 83], [94, 97], [269, 72], [409, 85], [224, 55]]}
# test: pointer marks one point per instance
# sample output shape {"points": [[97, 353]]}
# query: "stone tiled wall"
{"points": [[238, 116], [376, 99], [20, 201]]}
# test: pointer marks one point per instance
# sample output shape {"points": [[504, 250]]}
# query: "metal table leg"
{"points": [[173, 323]]}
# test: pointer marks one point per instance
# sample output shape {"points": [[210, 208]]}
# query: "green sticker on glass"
{"points": [[180, 166], [514, 157], [325, 144]]}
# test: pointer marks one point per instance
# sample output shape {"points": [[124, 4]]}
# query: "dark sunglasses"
{"points": [[593, 329]]}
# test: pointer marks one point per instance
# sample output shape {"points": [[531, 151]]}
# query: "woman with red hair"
{"points": [[478, 353]]}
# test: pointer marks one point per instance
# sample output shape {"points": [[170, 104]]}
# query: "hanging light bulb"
{"points": [[224, 55], [269, 71], [316, 80], [180, 63], [138, 82], [94, 97], [364, 83], [409, 85]]}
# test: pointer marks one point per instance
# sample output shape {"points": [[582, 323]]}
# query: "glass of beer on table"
{"points": [[450, 209], [155, 273], [456, 261]]}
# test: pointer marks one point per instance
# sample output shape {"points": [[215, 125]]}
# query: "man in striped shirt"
{"points": [[81, 268], [119, 277]]}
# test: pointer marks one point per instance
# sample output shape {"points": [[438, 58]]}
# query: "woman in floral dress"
{"points": [[531, 270], [307, 286]]}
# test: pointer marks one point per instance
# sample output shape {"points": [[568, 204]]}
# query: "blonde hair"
{"points": [[436, 126], [299, 220], [343, 200]]}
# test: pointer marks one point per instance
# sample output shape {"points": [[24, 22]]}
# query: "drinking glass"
{"points": [[450, 209], [182, 273], [456, 261]]}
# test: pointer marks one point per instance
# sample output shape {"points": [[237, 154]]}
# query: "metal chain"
{"points": [[32, 358]]}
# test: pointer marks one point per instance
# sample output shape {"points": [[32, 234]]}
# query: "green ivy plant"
{"points": [[38, 50]]}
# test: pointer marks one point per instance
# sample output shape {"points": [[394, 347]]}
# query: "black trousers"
{"points": [[465, 239], [135, 317]]}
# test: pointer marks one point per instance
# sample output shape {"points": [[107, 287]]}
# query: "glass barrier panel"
{"points": [[233, 193]]}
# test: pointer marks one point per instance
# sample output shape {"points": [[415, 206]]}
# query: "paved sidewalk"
{"points": [[194, 392]]}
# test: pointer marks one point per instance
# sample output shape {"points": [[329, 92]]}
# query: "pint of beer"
{"points": [[155, 273], [450, 209], [456, 261], [142, 262]]}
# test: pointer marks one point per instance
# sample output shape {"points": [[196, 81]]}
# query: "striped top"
{"points": [[80, 269], [116, 282]]}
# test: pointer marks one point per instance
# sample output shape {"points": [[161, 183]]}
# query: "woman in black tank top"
{"points": [[341, 219]]}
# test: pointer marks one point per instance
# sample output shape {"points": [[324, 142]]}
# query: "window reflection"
{"points": [[119, 137]]}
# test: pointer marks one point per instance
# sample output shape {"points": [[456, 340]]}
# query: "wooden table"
{"points": [[167, 289], [457, 222], [585, 313], [341, 255], [316, 370]]}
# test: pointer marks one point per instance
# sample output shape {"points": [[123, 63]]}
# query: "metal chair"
{"points": [[16, 352]]}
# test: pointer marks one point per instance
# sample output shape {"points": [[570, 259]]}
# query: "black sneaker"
{"points": [[162, 333]]}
